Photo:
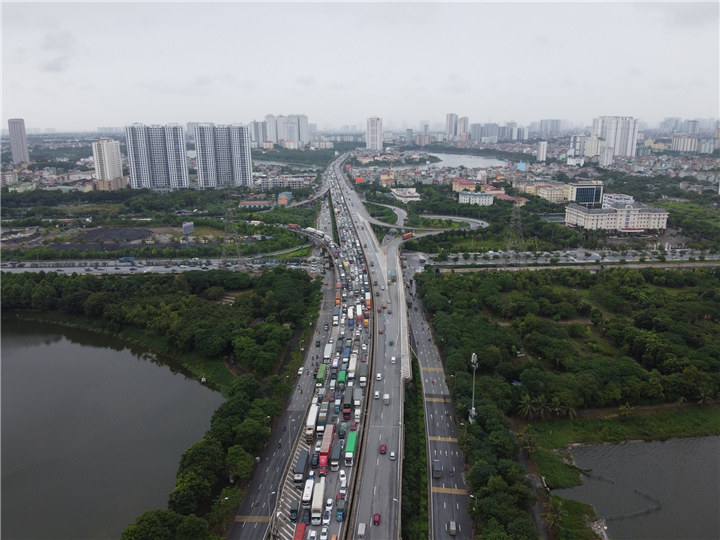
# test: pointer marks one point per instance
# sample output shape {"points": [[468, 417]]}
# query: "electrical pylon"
{"points": [[514, 238]]}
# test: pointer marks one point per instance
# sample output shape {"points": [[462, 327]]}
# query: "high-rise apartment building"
{"points": [[684, 143], [258, 133], [463, 126], [475, 132], [190, 130], [303, 128], [607, 154], [280, 132], [550, 126], [223, 155], [620, 133], [18, 141], [691, 127], [271, 128], [157, 156], [409, 136], [542, 151], [108, 162], [374, 134], [451, 125], [577, 145], [490, 130]]}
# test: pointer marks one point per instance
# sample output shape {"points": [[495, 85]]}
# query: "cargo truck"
{"points": [[386, 399], [300, 468], [347, 405], [357, 398], [336, 316], [393, 276], [318, 503], [325, 449], [328, 353], [337, 298], [368, 300], [407, 236], [335, 458], [311, 423], [437, 468], [363, 375], [322, 418]]}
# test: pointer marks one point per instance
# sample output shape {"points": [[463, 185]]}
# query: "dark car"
{"points": [[306, 517], [317, 343], [315, 460]]}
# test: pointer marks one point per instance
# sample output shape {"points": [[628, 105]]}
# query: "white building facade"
{"points": [[542, 151], [480, 199], [622, 217], [108, 161], [18, 141], [374, 134], [157, 157], [619, 132], [223, 156]]}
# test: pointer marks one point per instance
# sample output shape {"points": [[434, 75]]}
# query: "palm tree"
{"points": [[526, 407], [527, 439], [554, 513], [706, 396], [570, 411], [680, 401], [626, 409], [542, 407], [557, 406]]}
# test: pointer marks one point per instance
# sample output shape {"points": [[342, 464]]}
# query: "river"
{"points": [[92, 431], [683, 473]]}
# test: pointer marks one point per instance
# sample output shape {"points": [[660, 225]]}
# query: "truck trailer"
{"points": [[311, 423], [318, 503]]}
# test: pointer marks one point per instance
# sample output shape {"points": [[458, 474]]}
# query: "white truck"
{"points": [[386, 399], [310, 426], [318, 503], [328, 353]]}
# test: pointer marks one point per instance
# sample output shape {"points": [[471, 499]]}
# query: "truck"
{"points": [[393, 276], [358, 317], [126, 259], [352, 367], [351, 317], [325, 449], [300, 469], [363, 375], [335, 458], [386, 399], [337, 299], [318, 503], [407, 236], [366, 319], [336, 315], [311, 423], [357, 397], [437, 468], [293, 226], [328, 353], [322, 418], [341, 510], [347, 405], [368, 300], [346, 353]]}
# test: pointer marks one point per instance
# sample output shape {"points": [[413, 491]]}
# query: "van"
{"points": [[392, 360], [361, 531], [452, 528], [386, 399]]}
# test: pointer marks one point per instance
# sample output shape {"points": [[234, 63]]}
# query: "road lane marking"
{"points": [[431, 369], [438, 400], [449, 491], [443, 439], [253, 519]]}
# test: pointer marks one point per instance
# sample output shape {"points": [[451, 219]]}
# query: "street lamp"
{"points": [[474, 362]]}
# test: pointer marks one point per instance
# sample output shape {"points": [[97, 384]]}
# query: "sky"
{"points": [[78, 66]]}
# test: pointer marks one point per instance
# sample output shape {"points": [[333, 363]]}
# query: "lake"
{"points": [[92, 431], [683, 473]]}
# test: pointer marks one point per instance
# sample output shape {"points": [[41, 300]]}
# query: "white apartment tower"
{"points": [[157, 156], [374, 134], [223, 155], [18, 141], [258, 133], [271, 128], [108, 162], [451, 126], [620, 133], [280, 132], [542, 151], [463, 125]]}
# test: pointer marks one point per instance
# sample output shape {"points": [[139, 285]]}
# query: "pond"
{"points": [[92, 431], [683, 473]]}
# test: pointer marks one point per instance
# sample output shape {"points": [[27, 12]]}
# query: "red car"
{"points": [[381, 331], [383, 448], [376, 519], [353, 426], [379, 310]]}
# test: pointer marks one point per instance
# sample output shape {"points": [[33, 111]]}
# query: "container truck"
{"points": [[328, 353], [357, 398], [311, 423], [318, 503], [437, 468], [363, 375], [325, 450], [406, 236], [322, 418], [300, 469]]}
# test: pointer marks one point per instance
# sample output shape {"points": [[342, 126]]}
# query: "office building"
{"points": [[18, 141], [463, 126], [451, 125], [157, 157], [613, 199], [374, 134], [621, 217], [223, 156], [684, 143], [542, 151], [108, 161], [480, 199], [586, 192], [619, 132]]}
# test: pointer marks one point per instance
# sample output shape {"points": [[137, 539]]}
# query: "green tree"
{"points": [[43, 297], [596, 316], [554, 513], [239, 463], [223, 509], [527, 439], [526, 407], [626, 409], [153, 525], [191, 490]]}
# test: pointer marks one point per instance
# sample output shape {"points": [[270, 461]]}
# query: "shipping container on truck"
{"points": [[357, 398], [363, 375], [328, 353], [408, 235], [352, 367], [311, 423], [338, 286], [325, 450], [347, 405], [335, 458], [322, 418], [300, 469], [337, 298], [318, 503]]}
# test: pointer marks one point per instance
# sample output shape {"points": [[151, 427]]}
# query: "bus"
{"points": [[350, 449], [307, 493], [299, 532], [320, 379], [342, 377]]}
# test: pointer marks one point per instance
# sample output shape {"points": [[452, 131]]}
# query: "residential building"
{"points": [[451, 125], [463, 126], [490, 130], [18, 141], [9, 178], [258, 133], [684, 143], [157, 157], [107, 158], [707, 146], [550, 126], [475, 132], [619, 132], [593, 145], [576, 161], [542, 151], [622, 217], [112, 184], [190, 130], [409, 139], [480, 199], [271, 127], [691, 127], [22, 188], [607, 154], [374, 134], [613, 199], [577, 145], [223, 156], [586, 192], [280, 132]]}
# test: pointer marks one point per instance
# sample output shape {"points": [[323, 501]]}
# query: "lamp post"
{"points": [[474, 362], [270, 512]]}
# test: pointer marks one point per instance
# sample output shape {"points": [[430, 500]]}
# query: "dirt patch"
{"points": [[107, 234]]}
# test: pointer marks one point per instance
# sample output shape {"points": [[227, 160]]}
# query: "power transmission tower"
{"points": [[231, 241], [514, 238]]}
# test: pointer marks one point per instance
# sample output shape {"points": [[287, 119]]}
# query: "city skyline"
{"points": [[47, 82]]}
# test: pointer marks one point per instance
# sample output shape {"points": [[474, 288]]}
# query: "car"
{"points": [[324, 533], [382, 287], [306, 517], [300, 371], [343, 476], [183, 266], [383, 448], [392, 456], [331, 340], [379, 309], [326, 283], [381, 331], [389, 311], [353, 426], [317, 343], [415, 308], [326, 517], [329, 504], [318, 445], [377, 394], [392, 360], [116, 268], [364, 346], [392, 342], [312, 535], [376, 519], [384, 306], [315, 460]]}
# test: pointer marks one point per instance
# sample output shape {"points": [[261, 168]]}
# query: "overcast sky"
{"points": [[83, 65]]}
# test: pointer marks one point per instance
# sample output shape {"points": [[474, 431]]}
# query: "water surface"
{"points": [[92, 431]]}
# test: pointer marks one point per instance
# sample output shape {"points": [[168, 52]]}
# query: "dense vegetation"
{"points": [[381, 213], [320, 157], [634, 337], [414, 510]]}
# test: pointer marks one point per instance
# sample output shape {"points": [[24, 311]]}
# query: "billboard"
{"points": [[188, 227]]}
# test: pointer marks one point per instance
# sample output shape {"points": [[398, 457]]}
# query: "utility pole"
{"points": [[474, 362]]}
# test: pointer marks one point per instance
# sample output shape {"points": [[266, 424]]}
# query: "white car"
{"points": [[329, 504], [343, 476], [312, 535], [324, 533], [318, 446], [300, 371], [377, 394], [378, 377], [364, 346]]}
